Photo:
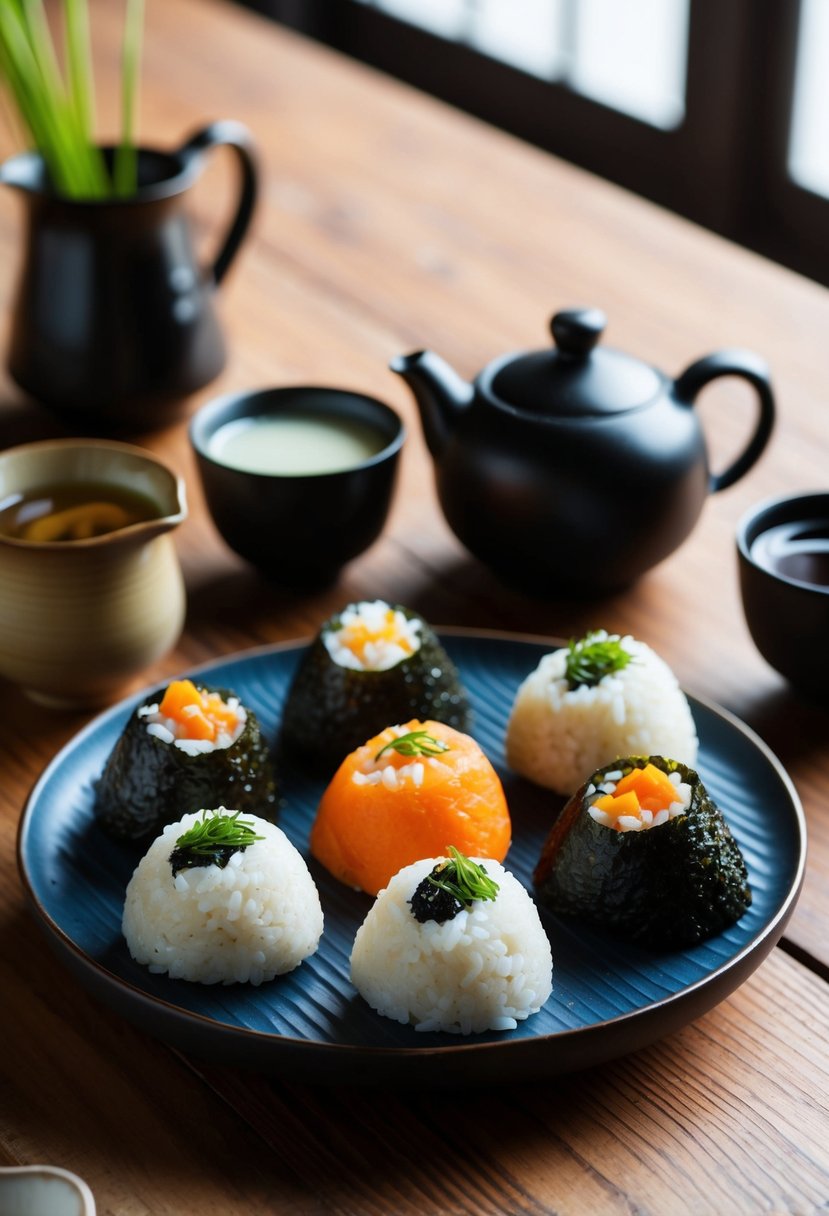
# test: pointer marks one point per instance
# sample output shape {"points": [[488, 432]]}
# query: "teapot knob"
{"points": [[577, 330]]}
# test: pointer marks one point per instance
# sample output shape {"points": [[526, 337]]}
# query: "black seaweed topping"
{"points": [[434, 903], [454, 884], [220, 855]]}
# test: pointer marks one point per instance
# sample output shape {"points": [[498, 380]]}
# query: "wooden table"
{"points": [[390, 222]]}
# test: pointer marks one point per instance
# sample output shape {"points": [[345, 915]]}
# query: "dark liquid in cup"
{"points": [[799, 551]]}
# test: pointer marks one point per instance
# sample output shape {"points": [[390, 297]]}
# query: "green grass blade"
{"points": [[22, 74], [79, 65], [125, 170], [87, 166], [35, 83], [59, 115]]}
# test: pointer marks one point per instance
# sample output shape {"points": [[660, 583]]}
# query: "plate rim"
{"points": [[761, 944]]}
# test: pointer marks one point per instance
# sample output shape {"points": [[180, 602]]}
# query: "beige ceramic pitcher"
{"points": [[79, 618]]}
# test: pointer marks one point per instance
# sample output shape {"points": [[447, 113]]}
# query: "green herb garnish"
{"points": [[593, 658], [212, 840], [464, 879], [415, 743], [452, 887]]}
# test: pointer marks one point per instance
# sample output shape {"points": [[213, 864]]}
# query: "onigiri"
{"points": [[587, 703], [220, 899], [430, 955]]}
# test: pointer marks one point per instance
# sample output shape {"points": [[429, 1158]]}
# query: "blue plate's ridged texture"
{"points": [[77, 877]]}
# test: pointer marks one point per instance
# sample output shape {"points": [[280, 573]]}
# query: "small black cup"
{"points": [[783, 554], [299, 529]]}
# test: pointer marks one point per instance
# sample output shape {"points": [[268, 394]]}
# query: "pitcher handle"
{"points": [[747, 366], [235, 135]]}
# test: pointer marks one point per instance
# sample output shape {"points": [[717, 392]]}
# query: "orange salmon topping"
{"points": [[384, 808]]}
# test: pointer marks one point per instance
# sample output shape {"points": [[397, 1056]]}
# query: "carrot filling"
{"points": [[372, 637], [194, 720], [643, 798]]}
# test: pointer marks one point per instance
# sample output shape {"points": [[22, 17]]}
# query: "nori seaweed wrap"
{"points": [[666, 886], [148, 782], [331, 708]]}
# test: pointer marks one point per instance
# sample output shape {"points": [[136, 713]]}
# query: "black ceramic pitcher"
{"points": [[114, 322]]}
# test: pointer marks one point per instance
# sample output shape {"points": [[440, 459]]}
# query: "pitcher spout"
{"points": [[170, 497], [441, 394], [23, 172]]}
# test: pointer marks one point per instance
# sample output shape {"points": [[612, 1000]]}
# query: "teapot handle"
{"points": [[236, 136], [749, 367]]}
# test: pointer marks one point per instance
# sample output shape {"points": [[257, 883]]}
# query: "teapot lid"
{"points": [[577, 378]]}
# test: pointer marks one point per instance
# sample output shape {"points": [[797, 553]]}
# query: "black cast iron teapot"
{"points": [[575, 469]]}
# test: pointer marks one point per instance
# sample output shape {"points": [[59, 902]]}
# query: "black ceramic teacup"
{"points": [[783, 553], [298, 480]]}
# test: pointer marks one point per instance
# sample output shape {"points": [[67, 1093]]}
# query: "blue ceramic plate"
{"points": [[608, 998]]}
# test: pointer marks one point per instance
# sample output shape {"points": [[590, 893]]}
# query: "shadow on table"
{"points": [[463, 595], [239, 600], [416, 1151], [794, 726], [466, 593], [26, 422]]}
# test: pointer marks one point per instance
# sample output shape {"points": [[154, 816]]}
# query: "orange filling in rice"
{"points": [[644, 797], [360, 634], [199, 715]]}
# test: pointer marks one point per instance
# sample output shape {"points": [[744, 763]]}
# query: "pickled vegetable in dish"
{"points": [[72, 512], [371, 664], [406, 789], [644, 851], [184, 748]]}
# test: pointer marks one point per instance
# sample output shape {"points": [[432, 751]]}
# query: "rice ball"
{"points": [[487, 968], [254, 918], [556, 734]]}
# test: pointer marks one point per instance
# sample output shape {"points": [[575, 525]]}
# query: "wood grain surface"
{"points": [[389, 222]]}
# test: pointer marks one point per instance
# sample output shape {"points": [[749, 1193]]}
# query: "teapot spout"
{"points": [[441, 394]]}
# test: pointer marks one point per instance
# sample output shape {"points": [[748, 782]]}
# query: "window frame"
{"points": [[724, 166]]}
